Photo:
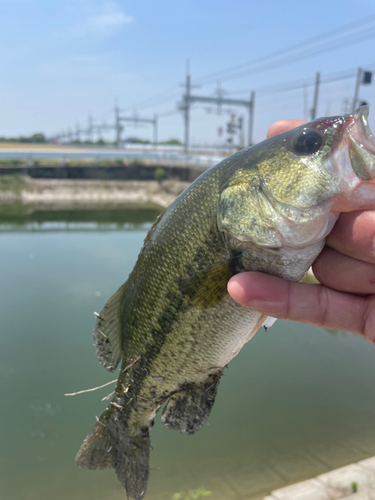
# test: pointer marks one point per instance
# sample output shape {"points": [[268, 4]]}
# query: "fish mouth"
{"points": [[361, 144]]}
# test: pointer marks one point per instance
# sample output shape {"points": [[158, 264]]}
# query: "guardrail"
{"points": [[163, 158]]}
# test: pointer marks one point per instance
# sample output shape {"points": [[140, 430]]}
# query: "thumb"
{"points": [[309, 303]]}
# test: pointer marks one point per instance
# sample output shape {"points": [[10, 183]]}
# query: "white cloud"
{"points": [[109, 19]]}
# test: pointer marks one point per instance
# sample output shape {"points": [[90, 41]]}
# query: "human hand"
{"points": [[345, 299]]}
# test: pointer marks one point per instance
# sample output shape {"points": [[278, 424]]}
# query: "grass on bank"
{"points": [[14, 183]]}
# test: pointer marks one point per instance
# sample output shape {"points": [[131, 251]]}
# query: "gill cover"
{"points": [[283, 193]]}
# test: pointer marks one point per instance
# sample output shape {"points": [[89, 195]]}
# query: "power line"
{"points": [[341, 31], [153, 98], [158, 103], [318, 50], [344, 41], [168, 113], [298, 84], [159, 99]]}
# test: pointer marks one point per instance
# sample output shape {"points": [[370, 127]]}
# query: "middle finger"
{"points": [[343, 273], [354, 235]]}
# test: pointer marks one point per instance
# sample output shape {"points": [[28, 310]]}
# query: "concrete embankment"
{"points": [[79, 192], [353, 482], [104, 171]]}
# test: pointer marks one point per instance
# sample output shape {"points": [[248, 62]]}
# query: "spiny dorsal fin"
{"points": [[209, 286], [107, 332]]}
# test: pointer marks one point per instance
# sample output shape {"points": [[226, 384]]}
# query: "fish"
{"points": [[172, 327]]}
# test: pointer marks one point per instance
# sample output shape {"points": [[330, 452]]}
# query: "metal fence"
{"points": [[150, 158]]}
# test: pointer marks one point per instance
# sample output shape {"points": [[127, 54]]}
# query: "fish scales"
{"points": [[172, 325], [180, 345]]}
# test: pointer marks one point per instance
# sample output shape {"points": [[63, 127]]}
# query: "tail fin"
{"points": [[109, 445]]}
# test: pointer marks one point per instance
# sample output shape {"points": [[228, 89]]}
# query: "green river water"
{"points": [[296, 402]]}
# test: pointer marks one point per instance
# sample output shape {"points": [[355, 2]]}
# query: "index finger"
{"points": [[313, 304]]}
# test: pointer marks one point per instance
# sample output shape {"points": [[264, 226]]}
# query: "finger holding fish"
{"points": [[315, 305], [354, 235], [343, 273]]}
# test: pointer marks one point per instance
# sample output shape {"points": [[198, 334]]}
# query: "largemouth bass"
{"points": [[172, 326]]}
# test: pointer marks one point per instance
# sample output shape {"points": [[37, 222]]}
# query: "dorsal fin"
{"points": [[107, 332]]}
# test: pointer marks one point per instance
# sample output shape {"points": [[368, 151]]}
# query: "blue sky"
{"points": [[62, 59]]}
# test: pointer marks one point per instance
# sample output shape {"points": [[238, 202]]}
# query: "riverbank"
{"points": [[85, 193]]}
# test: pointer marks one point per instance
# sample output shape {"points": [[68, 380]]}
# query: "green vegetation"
{"points": [[14, 183], [99, 142], [11, 161], [135, 140], [40, 138], [354, 486], [20, 213], [109, 163], [171, 142], [37, 138], [137, 163], [14, 213], [159, 174], [192, 494]]}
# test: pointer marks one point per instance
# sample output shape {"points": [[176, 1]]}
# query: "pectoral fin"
{"points": [[209, 286]]}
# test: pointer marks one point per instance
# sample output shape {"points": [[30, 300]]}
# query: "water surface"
{"points": [[296, 402]]}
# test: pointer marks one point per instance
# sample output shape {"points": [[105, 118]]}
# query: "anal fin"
{"points": [[188, 410], [107, 331]]}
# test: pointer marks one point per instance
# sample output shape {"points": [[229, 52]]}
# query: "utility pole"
{"points": [[187, 105], [251, 117], [89, 128], [219, 95], [117, 124], [305, 103], [316, 95], [155, 124], [240, 130], [188, 99], [135, 120], [70, 134], [78, 132], [356, 91]]}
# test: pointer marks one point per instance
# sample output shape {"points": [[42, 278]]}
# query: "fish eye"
{"points": [[307, 142]]}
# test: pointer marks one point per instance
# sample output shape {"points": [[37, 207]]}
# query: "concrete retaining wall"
{"points": [[353, 482]]}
